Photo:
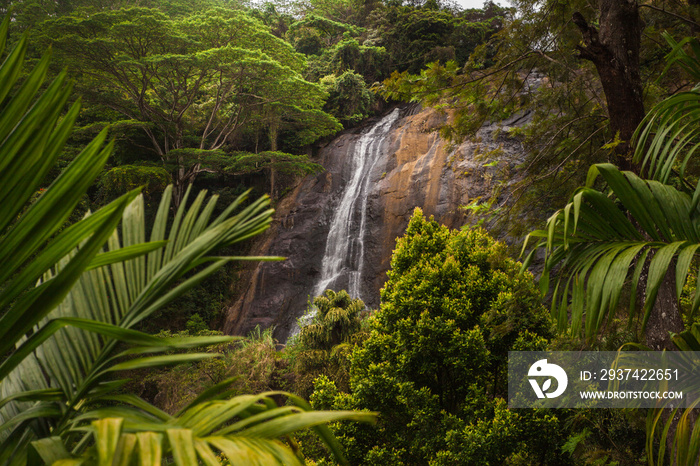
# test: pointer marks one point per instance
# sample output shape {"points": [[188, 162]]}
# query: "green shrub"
{"points": [[349, 100], [253, 364], [124, 178]]}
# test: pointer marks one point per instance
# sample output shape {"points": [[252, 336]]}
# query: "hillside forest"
{"points": [[144, 148]]}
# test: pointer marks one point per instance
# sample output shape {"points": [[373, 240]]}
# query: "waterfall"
{"points": [[343, 258]]}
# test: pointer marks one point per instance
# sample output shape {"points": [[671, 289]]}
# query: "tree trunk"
{"points": [[665, 317], [273, 175], [274, 134], [178, 186], [614, 50]]}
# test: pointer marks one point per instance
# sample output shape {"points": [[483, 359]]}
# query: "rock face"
{"points": [[414, 167]]}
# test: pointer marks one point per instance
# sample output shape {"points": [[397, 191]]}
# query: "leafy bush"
{"points": [[248, 365], [125, 178], [349, 99]]}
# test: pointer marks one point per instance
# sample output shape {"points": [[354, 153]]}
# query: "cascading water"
{"points": [[343, 258]]}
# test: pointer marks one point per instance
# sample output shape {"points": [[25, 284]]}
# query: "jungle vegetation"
{"points": [[118, 118]]}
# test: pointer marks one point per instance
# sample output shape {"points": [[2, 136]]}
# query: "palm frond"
{"points": [[676, 427], [596, 239], [74, 347], [246, 429], [33, 132], [669, 135]]}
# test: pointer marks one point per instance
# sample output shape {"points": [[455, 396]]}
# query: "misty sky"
{"points": [[478, 3]]}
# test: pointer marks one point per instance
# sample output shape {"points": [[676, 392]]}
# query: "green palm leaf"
{"points": [[33, 131], [75, 345], [677, 428], [32, 134], [254, 425], [669, 135], [594, 246]]}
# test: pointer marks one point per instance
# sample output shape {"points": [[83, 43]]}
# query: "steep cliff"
{"points": [[410, 166]]}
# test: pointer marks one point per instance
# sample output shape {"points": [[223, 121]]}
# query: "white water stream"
{"points": [[343, 259]]}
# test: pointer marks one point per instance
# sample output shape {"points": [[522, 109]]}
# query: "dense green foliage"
{"points": [[125, 178], [246, 365], [234, 95], [374, 39], [348, 97], [414, 37]]}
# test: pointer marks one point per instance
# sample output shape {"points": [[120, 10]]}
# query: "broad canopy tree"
{"points": [[191, 82]]}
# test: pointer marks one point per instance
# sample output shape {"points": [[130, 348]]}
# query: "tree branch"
{"points": [[682, 18], [593, 48]]}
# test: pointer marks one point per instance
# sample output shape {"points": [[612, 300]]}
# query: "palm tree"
{"points": [[645, 232], [324, 344], [336, 320], [71, 296]]}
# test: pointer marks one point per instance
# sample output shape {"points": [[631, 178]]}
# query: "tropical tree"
{"points": [[337, 319], [191, 83], [324, 344], [71, 295], [415, 36], [349, 98], [645, 232]]}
